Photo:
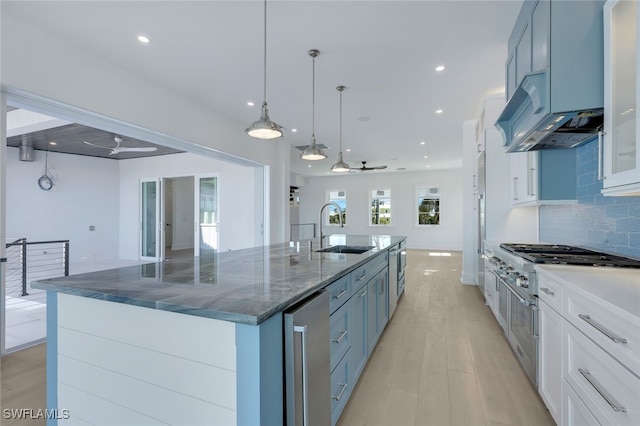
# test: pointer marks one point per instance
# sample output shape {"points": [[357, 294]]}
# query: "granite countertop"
{"points": [[619, 287], [245, 286]]}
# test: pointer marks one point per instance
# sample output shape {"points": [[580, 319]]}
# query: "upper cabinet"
{"points": [[620, 162], [554, 76], [543, 177]]}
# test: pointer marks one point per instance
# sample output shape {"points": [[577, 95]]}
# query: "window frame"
{"points": [[416, 205], [327, 212], [370, 206]]}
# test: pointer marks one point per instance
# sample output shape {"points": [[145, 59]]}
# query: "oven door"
{"points": [[523, 331], [522, 325]]}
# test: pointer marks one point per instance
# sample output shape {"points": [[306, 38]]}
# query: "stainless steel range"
{"points": [[514, 270]]}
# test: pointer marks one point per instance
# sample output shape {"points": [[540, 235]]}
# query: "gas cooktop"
{"points": [[568, 255]]}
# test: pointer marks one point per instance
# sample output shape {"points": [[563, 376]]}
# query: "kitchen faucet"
{"points": [[339, 215]]}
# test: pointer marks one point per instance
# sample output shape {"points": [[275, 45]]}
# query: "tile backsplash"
{"points": [[610, 224]]}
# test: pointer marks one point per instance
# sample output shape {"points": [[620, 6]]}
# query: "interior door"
{"points": [[150, 220], [206, 240]]}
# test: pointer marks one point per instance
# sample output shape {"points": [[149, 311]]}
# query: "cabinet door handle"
{"points": [[601, 175], [515, 189], [530, 182], [364, 293], [606, 395], [602, 329], [361, 277], [547, 291], [475, 184], [342, 336], [343, 387], [339, 295]]}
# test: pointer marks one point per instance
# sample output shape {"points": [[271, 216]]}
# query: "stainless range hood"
{"points": [[527, 123]]}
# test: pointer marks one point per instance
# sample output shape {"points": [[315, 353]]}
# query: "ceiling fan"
{"points": [[118, 149], [364, 167]]}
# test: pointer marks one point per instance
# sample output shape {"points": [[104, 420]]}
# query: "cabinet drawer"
{"points": [[616, 331], [339, 293], [609, 390], [551, 292], [340, 388], [364, 273], [574, 412], [340, 341]]}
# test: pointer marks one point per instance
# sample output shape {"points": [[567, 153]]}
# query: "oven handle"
{"points": [[522, 300]]}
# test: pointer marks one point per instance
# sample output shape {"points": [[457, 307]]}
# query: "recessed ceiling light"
{"points": [[53, 143], [143, 39], [422, 143], [438, 111], [348, 149], [426, 156], [428, 165], [309, 166], [250, 103], [294, 130], [440, 68]]}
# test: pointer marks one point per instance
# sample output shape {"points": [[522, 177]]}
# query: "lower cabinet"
{"points": [[356, 326], [550, 363]]}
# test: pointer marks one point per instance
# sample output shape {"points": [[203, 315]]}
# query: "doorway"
{"points": [[179, 216]]}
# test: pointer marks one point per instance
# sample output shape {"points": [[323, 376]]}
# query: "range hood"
{"points": [[529, 123]]}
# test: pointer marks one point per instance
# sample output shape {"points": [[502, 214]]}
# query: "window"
{"points": [[340, 198], [428, 205], [381, 207]]}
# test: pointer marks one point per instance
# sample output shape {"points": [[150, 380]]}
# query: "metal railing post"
{"points": [[66, 258], [24, 267]]}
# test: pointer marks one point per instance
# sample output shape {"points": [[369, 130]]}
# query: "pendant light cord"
{"points": [[265, 53], [313, 97], [340, 121]]}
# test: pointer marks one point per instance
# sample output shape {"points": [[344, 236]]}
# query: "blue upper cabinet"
{"points": [[554, 75]]}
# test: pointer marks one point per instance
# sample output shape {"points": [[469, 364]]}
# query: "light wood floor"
{"points": [[443, 360]]}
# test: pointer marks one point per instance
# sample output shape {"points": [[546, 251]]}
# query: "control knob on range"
{"points": [[522, 281]]}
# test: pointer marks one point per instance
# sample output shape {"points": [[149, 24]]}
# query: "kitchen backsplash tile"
{"points": [[610, 224]]}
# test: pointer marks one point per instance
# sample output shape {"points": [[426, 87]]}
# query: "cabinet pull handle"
{"points": [[601, 155], [364, 293], [530, 182], [515, 189], [342, 335], [339, 295], [361, 277], [602, 329], [343, 387], [547, 291], [606, 395], [475, 184], [302, 329]]}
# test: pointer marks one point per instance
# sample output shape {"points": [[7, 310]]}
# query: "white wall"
{"points": [[446, 236], [85, 193], [40, 64], [235, 185]]}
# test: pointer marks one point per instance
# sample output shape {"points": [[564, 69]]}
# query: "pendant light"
{"points": [[264, 128], [340, 166], [312, 152]]}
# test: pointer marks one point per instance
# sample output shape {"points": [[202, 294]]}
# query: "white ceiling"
{"points": [[384, 52]]}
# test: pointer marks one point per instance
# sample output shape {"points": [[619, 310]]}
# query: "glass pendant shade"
{"points": [[264, 128], [312, 152]]}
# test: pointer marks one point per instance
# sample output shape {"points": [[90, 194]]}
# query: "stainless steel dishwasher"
{"points": [[307, 362]]}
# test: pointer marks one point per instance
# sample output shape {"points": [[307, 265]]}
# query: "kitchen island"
{"points": [[187, 341]]}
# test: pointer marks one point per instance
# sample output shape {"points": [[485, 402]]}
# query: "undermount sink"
{"points": [[346, 249]]}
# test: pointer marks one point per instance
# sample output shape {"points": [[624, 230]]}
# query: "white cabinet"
{"points": [[523, 183], [550, 364], [620, 157], [589, 349]]}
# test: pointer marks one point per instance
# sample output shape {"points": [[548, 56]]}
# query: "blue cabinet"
{"points": [[359, 311]]}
